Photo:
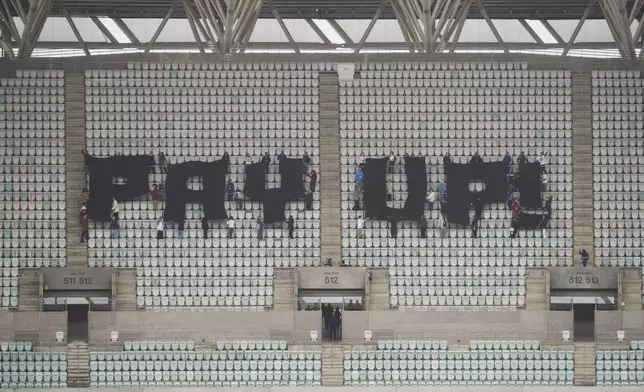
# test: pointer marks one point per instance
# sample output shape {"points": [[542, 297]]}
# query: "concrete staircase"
{"points": [[330, 195], [631, 289], [536, 289], [74, 166], [585, 364], [29, 290], [78, 365], [332, 365], [125, 282], [582, 164], [284, 289], [378, 291]]}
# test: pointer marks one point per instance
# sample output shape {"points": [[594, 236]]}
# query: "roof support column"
{"points": [[38, 12], [618, 22], [227, 24]]}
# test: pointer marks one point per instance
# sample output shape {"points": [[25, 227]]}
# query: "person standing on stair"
{"points": [[336, 324], [85, 195], [239, 198], [115, 208], [314, 180], [230, 224], [291, 226], [360, 227], [584, 257], [230, 190], [84, 224], [163, 164], [161, 195], [114, 225], [86, 158], [306, 161], [393, 225], [422, 224], [226, 159], [160, 228], [308, 201], [205, 227], [260, 228], [180, 229], [155, 196]]}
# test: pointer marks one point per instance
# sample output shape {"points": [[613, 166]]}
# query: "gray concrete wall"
{"points": [[456, 326], [607, 323], [295, 326], [203, 326], [356, 389], [38, 328]]}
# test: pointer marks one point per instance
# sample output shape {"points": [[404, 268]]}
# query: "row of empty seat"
{"points": [[621, 367], [21, 367], [616, 181], [32, 202], [428, 363], [232, 364]]}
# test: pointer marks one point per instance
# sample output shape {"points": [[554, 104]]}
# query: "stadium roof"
{"points": [[333, 9], [51, 28]]}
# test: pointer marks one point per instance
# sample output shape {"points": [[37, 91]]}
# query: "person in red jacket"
{"points": [[84, 223]]}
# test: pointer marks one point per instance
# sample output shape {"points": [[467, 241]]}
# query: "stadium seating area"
{"points": [[194, 111], [179, 364], [432, 363], [618, 177], [621, 367], [429, 109], [21, 367], [32, 172]]}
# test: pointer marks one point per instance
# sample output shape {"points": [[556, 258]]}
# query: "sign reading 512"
{"points": [[331, 279]]}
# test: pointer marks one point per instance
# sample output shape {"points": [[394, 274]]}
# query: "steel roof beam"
{"points": [[317, 30], [38, 12], [615, 14], [283, 26], [126, 30], [338, 29], [229, 20], [104, 30], [456, 24], [175, 3], [403, 28], [193, 28], [383, 4], [6, 15], [245, 37], [76, 33], [459, 28], [573, 37], [491, 25], [552, 31], [531, 31], [321, 46], [199, 23]]}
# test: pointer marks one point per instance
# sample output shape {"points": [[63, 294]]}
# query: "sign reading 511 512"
{"points": [[77, 279]]}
